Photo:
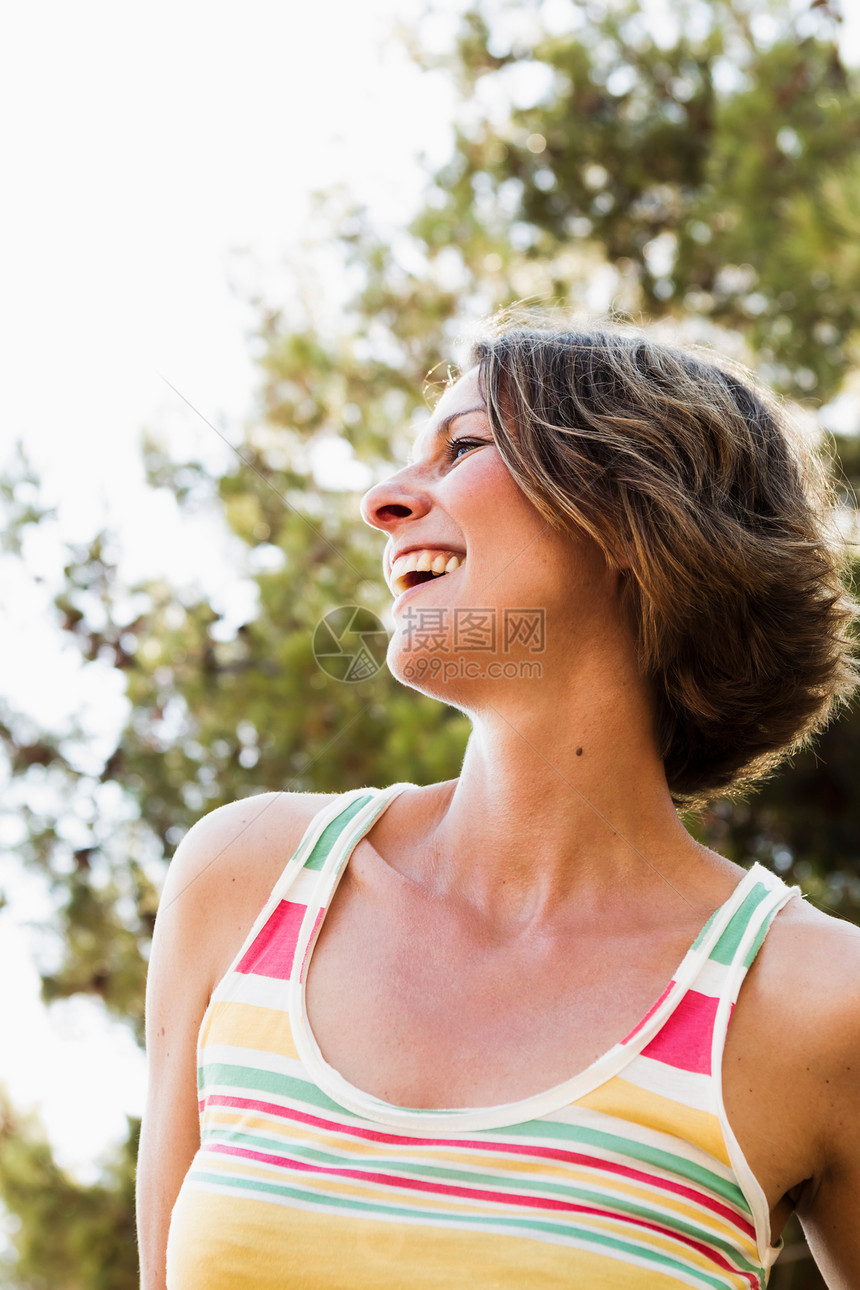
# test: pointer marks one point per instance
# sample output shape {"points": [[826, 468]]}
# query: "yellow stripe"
{"points": [[235, 1243], [246, 1025], [627, 1101], [578, 1225]]}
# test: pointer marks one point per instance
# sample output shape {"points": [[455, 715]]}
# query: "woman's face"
{"points": [[521, 592]]}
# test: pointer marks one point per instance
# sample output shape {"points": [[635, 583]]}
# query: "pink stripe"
{"points": [[398, 1181], [542, 1153], [686, 1039], [274, 947], [648, 1015], [314, 930]]}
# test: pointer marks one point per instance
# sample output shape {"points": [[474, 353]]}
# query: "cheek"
{"points": [[491, 503], [521, 544]]}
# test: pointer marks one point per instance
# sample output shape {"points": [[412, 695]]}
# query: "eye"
{"points": [[453, 446]]}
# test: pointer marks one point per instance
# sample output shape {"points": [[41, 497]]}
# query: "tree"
{"points": [[68, 1234], [711, 166], [707, 177]]}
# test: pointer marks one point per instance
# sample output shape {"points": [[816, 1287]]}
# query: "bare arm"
{"points": [[829, 1209], [218, 881], [177, 993]]}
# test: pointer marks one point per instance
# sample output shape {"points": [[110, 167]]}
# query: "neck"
{"points": [[549, 810]]}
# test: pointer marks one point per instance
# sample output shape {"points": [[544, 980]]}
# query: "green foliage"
{"points": [[70, 1236], [707, 176], [19, 497], [716, 172]]}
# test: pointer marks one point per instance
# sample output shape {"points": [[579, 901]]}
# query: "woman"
{"points": [[477, 1033]]}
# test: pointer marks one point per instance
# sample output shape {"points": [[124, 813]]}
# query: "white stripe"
{"points": [[712, 978], [261, 991], [687, 1087], [255, 1058], [765, 911]]}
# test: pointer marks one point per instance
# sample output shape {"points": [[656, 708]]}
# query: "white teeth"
{"points": [[427, 560]]}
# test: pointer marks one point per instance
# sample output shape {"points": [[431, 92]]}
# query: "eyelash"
{"points": [[452, 445]]}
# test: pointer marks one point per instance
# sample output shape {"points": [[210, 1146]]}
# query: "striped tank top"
{"points": [[627, 1175]]}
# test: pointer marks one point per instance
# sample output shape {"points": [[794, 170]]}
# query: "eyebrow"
{"points": [[445, 425]]}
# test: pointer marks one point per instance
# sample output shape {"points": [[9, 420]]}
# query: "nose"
{"points": [[394, 499]]}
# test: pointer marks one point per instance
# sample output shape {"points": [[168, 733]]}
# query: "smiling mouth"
{"points": [[422, 566]]}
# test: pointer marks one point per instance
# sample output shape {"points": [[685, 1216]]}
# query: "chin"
{"points": [[427, 671], [453, 677], [451, 695]]}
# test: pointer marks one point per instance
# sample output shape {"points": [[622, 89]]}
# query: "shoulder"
{"points": [[802, 1001], [224, 870], [244, 841], [805, 982], [812, 961], [791, 1067], [810, 964]]}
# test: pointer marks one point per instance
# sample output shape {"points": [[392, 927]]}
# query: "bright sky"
{"points": [[147, 147], [144, 147]]}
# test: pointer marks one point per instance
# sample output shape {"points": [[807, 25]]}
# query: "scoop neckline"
{"points": [[498, 1115]]}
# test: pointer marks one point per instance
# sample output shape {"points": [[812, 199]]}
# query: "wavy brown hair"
{"points": [[696, 485]]}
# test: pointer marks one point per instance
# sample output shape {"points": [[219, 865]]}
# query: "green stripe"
{"points": [[727, 946], [332, 832], [705, 930], [242, 1079], [579, 1135], [524, 1226], [495, 1182], [762, 933]]}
